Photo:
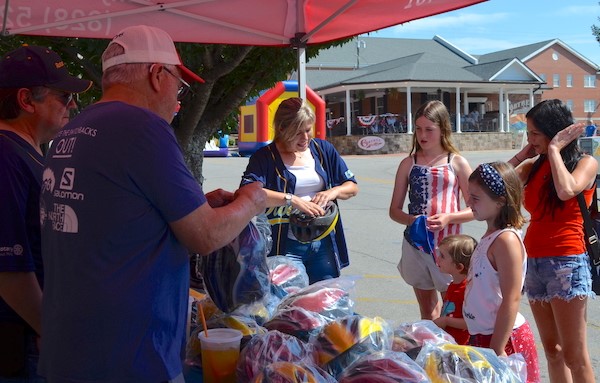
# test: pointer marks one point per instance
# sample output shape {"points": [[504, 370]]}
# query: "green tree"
{"points": [[233, 73], [596, 30]]}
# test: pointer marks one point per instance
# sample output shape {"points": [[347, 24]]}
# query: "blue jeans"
{"points": [[318, 257], [29, 373]]}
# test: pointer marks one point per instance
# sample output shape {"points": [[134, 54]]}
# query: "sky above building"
{"points": [[501, 24]]}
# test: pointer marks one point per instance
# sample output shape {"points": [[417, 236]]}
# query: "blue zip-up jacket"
{"points": [[266, 166]]}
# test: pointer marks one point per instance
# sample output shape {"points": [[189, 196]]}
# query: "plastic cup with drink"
{"points": [[220, 353]]}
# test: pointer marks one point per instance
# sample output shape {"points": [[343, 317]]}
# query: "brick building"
{"points": [[569, 76]]}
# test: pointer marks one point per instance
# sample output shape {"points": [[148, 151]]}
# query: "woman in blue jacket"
{"points": [[304, 173]]}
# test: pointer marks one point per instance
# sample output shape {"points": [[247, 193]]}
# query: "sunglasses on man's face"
{"points": [[64, 97]]}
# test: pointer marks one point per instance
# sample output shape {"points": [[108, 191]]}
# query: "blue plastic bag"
{"points": [[419, 236]]}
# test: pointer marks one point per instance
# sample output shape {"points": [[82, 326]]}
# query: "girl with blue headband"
{"points": [[498, 266]]}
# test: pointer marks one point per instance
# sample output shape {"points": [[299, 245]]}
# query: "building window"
{"points": [[589, 81], [556, 80], [570, 105], [589, 106], [569, 81], [380, 105]]}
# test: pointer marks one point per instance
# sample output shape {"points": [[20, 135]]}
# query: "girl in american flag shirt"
{"points": [[433, 175]]}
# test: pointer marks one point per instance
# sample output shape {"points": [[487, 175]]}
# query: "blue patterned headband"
{"points": [[492, 179]]}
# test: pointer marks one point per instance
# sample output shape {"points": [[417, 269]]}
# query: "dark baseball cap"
{"points": [[31, 65]]}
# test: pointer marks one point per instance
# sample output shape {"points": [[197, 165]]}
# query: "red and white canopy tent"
{"points": [[294, 23]]}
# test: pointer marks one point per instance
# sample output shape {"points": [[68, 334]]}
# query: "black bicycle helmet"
{"points": [[307, 228]]}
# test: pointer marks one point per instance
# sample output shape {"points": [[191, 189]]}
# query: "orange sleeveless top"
{"points": [[548, 234]]}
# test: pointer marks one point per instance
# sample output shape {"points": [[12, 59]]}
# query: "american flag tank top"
{"points": [[433, 190]]}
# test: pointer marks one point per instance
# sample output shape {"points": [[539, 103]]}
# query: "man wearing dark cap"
{"points": [[120, 213], [36, 95]]}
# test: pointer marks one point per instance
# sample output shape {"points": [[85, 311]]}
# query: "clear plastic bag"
{"points": [[287, 275], [264, 227], [345, 340], [297, 321], [288, 372], [388, 366], [274, 346], [261, 311], [409, 337], [329, 298], [237, 274], [449, 362]]}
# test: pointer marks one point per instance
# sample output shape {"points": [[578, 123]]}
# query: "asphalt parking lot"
{"points": [[374, 240]]}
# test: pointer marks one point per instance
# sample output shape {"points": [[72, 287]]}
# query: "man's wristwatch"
{"points": [[288, 199]]}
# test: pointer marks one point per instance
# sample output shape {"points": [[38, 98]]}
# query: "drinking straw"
{"points": [[203, 321]]}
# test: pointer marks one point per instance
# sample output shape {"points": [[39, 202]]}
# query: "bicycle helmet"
{"points": [[289, 372], [307, 228]]}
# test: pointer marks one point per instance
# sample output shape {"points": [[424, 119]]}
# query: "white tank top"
{"points": [[483, 296], [308, 183]]}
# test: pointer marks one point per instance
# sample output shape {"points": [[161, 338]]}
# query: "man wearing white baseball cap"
{"points": [[120, 213]]}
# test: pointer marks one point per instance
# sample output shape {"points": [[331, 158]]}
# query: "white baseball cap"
{"points": [[146, 44]]}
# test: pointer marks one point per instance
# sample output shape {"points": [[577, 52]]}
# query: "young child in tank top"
{"points": [[498, 265]]}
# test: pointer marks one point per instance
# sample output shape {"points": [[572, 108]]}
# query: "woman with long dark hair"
{"points": [[558, 281]]}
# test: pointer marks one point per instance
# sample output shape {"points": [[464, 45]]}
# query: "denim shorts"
{"points": [[565, 277]]}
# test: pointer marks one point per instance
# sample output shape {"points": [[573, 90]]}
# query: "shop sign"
{"points": [[371, 143]]}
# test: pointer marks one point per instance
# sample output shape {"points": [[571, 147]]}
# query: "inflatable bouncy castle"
{"points": [[256, 119]]}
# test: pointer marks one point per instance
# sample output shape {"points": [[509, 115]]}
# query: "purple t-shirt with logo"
{"points": [[117, 279]]}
